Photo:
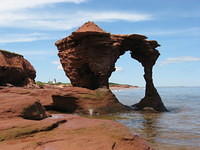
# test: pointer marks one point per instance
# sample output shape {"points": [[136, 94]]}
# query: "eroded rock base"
{"points": [[25, 125], [29, 103], [67, 132]]}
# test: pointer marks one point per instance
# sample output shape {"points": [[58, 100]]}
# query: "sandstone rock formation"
{"points": [[85, 101], [19, 102], [88, 57], [19, 107], [15, 70], [28, 103], [34, 111], [67, 132]]}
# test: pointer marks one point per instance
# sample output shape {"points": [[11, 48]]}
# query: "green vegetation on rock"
{"points": [[16, 132], [40, 83]]}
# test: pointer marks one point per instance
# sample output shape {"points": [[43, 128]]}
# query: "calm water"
{"points": [[178, 129]]}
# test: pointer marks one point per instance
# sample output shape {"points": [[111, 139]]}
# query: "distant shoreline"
{"points": [[112, 86], [122, 86]]}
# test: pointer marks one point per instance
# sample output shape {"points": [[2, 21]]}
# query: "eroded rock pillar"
{"points": [[89, 54], [152, 98]]}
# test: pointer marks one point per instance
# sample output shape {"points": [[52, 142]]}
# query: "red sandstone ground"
{"points": [[68, 99], [59, 132], [70, 132]]}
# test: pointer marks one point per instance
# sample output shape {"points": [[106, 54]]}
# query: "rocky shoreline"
{"points": [[67, 132], [112, 86], [41, 116], [25, 125], [122, 86]]}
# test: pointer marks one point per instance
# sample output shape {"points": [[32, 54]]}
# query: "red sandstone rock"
{"points": [[20, 104], [89, 27], [70, 99], [15, 70], [34, 111], [88, 57], [100, 101], [67, 132], [60, 131]]}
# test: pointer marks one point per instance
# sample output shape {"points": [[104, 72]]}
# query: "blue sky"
{"points": [[31, 27]]}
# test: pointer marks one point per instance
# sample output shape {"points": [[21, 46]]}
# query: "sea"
{"points": [[178, 129]]}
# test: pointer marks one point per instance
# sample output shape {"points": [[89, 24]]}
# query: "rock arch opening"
{"points": [[88, 57], [127, 71]]}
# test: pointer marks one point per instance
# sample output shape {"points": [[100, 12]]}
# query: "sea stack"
{"points": [[89, 54]]}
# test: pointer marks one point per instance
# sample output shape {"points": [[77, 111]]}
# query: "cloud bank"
{"points": [[36, 14], [179, 60], [28, 37], [193, 31], [49, 21], [13, 5]]}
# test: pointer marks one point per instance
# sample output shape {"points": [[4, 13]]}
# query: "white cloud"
{"points": [[29, 37], [59, 66], [118, 68], [25, 14], [193, 31], [58, 21], [17, 14], [179, 60], [111, 16], [37, 52], [12, 5]]}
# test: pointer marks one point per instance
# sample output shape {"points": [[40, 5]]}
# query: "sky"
{"points": [[31, 27]]}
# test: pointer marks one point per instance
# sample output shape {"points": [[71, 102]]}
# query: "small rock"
{"points": [[34, 111]]}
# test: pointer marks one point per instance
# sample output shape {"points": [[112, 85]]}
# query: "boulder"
{"points": [[34, 111], [15, 70], [25, 103]]}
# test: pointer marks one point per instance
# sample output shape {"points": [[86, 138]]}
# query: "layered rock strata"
{"points": [[25, 125], [88, 57], [28, 103]]}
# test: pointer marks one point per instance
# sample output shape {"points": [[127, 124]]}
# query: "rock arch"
{"points": [[89, 54]]}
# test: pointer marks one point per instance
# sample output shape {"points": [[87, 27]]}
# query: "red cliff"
{"points": [[15, 70]]}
